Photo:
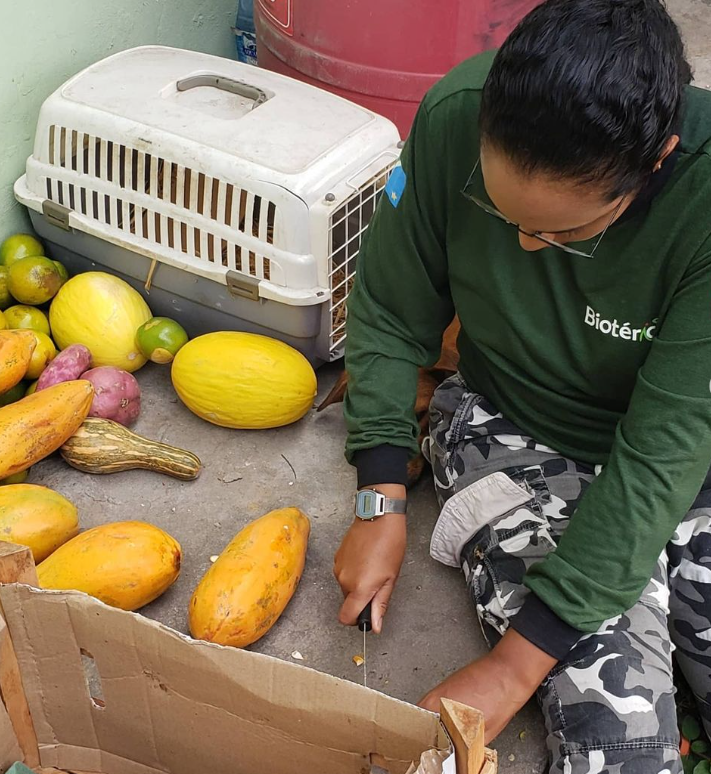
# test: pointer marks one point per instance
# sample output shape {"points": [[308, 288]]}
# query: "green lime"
{"points": [[17, 478], [19, 246], [62, 269], [32, 389], [26, 317], [33, 280], [3, 322], [13, 394], [5, 297], [160, 338]]}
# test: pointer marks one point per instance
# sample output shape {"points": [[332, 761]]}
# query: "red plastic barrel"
{"points": [[383, 54]]}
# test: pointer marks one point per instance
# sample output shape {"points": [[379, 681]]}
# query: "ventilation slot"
{"points": [[132, 170]]}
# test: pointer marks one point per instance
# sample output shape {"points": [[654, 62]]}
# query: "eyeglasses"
{"points": [[534, 234]]}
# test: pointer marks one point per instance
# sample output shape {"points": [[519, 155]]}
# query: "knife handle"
{"points": [[365, 623]]}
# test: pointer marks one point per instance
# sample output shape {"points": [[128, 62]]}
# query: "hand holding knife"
{"points": [[365, 624]]}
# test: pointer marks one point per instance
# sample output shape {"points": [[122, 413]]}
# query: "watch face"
{"points": [[366, 502]]}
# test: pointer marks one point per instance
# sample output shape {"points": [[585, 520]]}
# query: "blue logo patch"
{"points": [[396, 185]]}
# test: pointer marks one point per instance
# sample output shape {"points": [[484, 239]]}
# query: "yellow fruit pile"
{"points": [[235, 380], [28, 280]]}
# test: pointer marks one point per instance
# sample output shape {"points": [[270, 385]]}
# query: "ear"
{"points": [[669, 148]]}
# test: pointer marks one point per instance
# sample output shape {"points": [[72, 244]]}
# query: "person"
{"points": [[556, 196]]}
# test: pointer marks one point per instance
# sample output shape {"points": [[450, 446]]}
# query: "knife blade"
{"points": [[365, 624]]}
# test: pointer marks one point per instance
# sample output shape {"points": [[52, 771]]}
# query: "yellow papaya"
{"points": [[34, 427], [36, 517], [246, 590], [125, 564], [16, 348]]}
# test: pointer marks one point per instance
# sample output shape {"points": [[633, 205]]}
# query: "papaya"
{"points": [[37, 425], [125, 564], [36, 517], [16, 348], [245, 591]]}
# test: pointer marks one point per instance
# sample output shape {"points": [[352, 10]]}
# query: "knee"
{"points": [[615, 693], [642, 759], [615, 718], [606, 720]]}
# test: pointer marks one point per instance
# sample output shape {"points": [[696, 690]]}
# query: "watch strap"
{"points": [[392, 505]]}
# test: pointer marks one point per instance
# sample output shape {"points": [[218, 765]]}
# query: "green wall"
{"points": [[44, 42]]}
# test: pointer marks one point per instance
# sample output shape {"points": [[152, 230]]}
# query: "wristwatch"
{"points": [[370, 505]]}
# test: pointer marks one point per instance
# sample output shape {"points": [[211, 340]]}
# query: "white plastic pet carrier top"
{"points": [[233, 197]]}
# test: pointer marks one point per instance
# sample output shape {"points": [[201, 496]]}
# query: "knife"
{"points": [[365, 624]]}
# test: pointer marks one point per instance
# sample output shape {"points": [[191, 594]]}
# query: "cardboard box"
{"points": [[88, 688]]}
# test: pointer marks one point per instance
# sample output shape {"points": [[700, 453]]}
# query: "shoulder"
{"points": [[696, 130], [458, 94], [690, 199]]}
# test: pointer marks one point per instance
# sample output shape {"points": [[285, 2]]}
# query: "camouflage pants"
{"points": [[506, 500]]}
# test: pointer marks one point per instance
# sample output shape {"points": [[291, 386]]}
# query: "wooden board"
{"points": [[16, 566], [465, 727]]}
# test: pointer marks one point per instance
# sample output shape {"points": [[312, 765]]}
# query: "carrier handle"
{"points": [[225, 84]]}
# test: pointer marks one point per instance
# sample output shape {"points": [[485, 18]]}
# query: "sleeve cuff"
{"points": [[381, 465], [545, 629]]}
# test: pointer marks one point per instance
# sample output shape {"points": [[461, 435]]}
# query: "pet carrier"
{"points": [[232, 197]]}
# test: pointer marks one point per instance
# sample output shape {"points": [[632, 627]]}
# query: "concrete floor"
{"points": [[694, 19], [247, 474]]}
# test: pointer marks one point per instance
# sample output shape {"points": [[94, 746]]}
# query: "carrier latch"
{"points": [[242, 285]]}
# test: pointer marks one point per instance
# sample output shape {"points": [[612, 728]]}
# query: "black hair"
{"points": [[588, 90]]}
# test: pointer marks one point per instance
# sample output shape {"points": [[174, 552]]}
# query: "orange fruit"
{"points": [[5, 297], [19, 246], [44, 354], [28, 318], [62, 269], [33, 280]]}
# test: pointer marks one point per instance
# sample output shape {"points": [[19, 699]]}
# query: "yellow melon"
{"points": [[243, 381], [103, 313]]}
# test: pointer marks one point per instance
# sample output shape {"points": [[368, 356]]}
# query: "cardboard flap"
{"points": [[115, 692], [9, 748]]}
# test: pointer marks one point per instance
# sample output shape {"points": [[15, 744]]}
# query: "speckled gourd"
{"points": [[101, 446]]}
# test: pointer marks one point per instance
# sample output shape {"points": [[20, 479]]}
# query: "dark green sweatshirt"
{"points": [[605, 360]]}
